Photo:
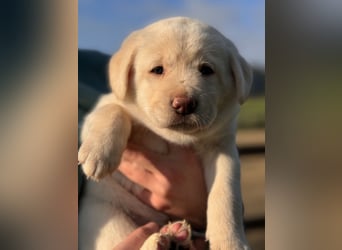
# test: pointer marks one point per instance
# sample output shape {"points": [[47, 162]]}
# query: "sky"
{"points": [[103, 24]]}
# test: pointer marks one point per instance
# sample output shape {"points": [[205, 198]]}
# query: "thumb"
{"points": [[137, 237]]}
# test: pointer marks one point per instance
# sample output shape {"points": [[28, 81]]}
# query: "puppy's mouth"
{"points": [[183, 126], [187, 124]]}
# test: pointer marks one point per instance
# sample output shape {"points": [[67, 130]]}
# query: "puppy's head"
{"points": [[181, 74]]}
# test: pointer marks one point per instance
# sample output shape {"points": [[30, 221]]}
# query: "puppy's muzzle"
{"points": [[184, 105]]}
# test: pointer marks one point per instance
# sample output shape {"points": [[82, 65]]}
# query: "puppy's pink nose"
{"points": [[184, 105]]}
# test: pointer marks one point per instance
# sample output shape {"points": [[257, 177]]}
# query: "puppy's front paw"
{"points": [[98, 158], [179, 232], [174, 234]]}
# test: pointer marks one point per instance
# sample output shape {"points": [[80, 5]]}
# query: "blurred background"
{"points": [[103, 25]]}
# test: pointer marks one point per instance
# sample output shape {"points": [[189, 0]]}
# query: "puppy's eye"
{"points": [[157, 70], [206, 70]]}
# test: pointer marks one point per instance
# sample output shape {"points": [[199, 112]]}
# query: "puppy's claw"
{"points": [[96, 161]]}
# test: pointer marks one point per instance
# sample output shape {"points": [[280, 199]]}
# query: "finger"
{"points": [[153, 200], [138, 156], [132, 153], [137, 237], [135, 173], [139, 172], [141, 176]]}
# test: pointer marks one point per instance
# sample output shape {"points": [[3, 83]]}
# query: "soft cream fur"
{"points": [[139, 109]]}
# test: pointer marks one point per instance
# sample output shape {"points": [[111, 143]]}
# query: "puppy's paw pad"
{"points": [[180, 232]]}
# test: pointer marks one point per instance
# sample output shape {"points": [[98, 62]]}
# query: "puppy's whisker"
{"points": [[207, 93]]}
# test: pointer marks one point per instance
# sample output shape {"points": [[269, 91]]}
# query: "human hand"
{"points": [[173, 183], [137, 237]]}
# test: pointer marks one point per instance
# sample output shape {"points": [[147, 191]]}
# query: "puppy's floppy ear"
{"points": [[121, 66], [243, 76]]}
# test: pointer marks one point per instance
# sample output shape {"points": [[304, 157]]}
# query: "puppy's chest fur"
{"points": [[147, 139], [142, 134]]}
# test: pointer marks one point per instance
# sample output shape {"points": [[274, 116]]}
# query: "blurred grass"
{"points": [[252, 114]]}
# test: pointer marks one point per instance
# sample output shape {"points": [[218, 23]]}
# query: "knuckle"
{"points": [[161, 205], [165, 189]]}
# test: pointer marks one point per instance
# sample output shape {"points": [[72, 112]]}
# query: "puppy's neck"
{"points": [[144, 137]]}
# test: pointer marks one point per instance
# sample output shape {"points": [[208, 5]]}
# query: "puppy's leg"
{"points": [[100, 224], [225, 220], [104, 137], [157, 241]]}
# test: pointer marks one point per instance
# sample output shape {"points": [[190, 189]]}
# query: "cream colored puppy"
{"points": [[177, 80]]}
